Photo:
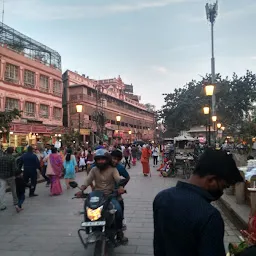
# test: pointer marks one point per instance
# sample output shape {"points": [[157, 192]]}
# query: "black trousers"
{"points": [[122, 206], [127, 162], [155, 159], [32, 177], [44, 174]]}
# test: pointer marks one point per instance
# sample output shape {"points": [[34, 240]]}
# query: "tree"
{"points": [[7, 117], [150, 107], [71, 136], [234, 101], [100, 119]]}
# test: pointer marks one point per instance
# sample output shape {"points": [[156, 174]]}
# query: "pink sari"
{"points": [[57, 165]]}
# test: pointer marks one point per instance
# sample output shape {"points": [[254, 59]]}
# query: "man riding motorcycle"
{"points": [[106, 177]]}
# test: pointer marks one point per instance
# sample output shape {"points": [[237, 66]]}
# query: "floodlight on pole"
{"points": [[211, 11]]}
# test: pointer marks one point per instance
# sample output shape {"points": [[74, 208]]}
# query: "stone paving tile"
{"points": [[48, 225]]}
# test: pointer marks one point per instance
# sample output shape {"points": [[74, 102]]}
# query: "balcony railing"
{"points": [[111, 105], [43, 89], [57, 93], [12, 80], [57, 118], [44, 115], [30, 114], [28, 85], [10, 108]]}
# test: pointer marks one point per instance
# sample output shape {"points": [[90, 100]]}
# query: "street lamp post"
{"points": [[118, 120], [214, 120], [79, 110], [130, 133], [207, 112], [209, 92], [211, 13], [218, 128]]}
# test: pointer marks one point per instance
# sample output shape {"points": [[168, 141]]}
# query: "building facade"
{"points": [[30, 81], [109, 97]]}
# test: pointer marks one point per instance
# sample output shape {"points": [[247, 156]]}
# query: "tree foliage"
{"points": [[234, 101], [150, 107], [7, 117]]}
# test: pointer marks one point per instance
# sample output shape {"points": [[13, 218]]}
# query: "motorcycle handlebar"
{"points": [[85, 195]]}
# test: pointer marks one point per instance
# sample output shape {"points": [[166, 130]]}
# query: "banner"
{"points": [[85, 132]]}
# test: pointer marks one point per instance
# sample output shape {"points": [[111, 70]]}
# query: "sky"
{"points": [[157, 45]]}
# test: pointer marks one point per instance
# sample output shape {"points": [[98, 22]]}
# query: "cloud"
{"points": [[40, 10], [253, 58], [160, 69], [182, 48]]}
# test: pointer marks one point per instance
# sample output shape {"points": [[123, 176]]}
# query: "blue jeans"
{"points": [[119, 213], [21, 198]]}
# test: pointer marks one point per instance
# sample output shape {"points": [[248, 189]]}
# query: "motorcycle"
{"points": [[98, 228]]}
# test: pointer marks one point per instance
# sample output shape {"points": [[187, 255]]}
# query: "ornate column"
{"points": [[21, 76], [2, 71], [37, 110], [22, 106], [51, 85], [2, 107], [51, 113], [37, 81]]}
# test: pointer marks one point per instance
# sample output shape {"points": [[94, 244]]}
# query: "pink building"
{"points": [[31, 81], [113, 98]]}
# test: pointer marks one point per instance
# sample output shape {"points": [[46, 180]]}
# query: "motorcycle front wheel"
{"points": [[100, 248], [103, 249]]}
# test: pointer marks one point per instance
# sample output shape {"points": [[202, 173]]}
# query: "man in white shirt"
{"points": [[155, 154]]}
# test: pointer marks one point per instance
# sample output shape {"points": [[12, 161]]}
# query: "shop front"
{"points": [[21, 135], [86, 135]]}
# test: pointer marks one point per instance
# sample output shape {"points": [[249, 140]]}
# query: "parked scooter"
{"points": [[98, 228]]}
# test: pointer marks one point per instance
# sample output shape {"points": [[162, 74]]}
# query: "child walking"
{"points": [[20, 189], [70, 166]]}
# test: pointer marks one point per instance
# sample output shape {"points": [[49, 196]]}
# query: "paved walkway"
{"points": [[48, 226]]}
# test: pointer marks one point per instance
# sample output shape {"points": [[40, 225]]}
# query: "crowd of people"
{"points": [[19, 172], [182, 214]]}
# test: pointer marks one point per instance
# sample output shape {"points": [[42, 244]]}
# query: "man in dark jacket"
{"points": [[185, 222], [8, 168], [31, 163]]}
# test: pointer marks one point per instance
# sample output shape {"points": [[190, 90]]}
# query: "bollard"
{"points": [[230, 191], [253, 202], [240, 191], [253, 195]]}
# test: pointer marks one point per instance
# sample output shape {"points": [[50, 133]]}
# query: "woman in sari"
{"points": [[54, 171], [145, 155]]}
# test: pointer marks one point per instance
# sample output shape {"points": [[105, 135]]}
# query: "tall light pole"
{"points": [[211, 13]]}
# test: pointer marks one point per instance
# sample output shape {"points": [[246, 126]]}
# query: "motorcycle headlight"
{"points": [[94, 215]]}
